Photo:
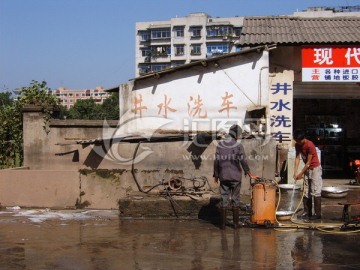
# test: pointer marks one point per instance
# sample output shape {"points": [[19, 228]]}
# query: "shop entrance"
{"points": [[333, 125]]}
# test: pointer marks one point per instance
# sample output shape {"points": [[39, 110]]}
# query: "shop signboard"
{"points": [[281, 106], [331, 64]]}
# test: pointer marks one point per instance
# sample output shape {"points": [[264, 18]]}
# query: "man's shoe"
{"points": [[315, 217], [305, 215]]}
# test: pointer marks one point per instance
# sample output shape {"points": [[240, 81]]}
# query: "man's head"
{"points": [[299, 137], [235, 131]]}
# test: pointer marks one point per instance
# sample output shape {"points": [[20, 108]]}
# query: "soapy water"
{"points": [[41, 215]]}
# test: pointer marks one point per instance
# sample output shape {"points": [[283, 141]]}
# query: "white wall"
{"points": [[242, 78]]}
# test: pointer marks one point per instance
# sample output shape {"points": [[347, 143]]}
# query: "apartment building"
{"points": [[68, 97], [165, 44]]}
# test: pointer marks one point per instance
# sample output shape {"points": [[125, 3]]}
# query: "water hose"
{"points": [[291, 227], [323, 227], [133, 172]]}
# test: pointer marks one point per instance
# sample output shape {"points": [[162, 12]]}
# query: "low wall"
{"points": [[62, 189], [103, 186], [29, 188], [69, 169]]}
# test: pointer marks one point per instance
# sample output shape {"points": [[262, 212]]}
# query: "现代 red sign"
{"points": [[328, 64]]}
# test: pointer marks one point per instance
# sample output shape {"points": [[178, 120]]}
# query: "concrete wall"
{"points": [[101, 188], [34, 188], [60, 173]]}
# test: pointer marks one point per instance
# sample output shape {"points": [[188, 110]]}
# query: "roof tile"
{"points": [[291, 30]]}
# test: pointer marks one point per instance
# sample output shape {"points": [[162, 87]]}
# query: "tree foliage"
{"points": [[110, 107], [10, 135], [88, 109], [5, 99], [37, 94], [11, 130]]}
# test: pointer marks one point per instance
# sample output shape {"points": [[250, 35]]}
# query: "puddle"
{"points": [[43, 239]]}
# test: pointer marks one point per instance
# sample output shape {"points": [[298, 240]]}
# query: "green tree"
{"points": [[5, 99], [10, 136], [110, 107], [86, 109], [11, 129], [63, 112], [38, 94]]}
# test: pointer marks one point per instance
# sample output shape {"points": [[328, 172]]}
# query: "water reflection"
{"points": [[264, 249], [308, 252], [230, 250], [165, 244]]}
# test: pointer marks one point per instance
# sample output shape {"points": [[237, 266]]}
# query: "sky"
{"points": [[81, 44]]}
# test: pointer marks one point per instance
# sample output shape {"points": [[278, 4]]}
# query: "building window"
{"points": [[179, 50], [237, 31], [195, 32], [144, 68], [144, 36], [196, 49], [217, 49], [146, 51], [177, 63], [179, 31], [219, 30], [159, 67], [159, 51], [157, 34]]}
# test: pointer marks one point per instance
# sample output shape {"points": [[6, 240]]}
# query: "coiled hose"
{"points": [[323, 227]]}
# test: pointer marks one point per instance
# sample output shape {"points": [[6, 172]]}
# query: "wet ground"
{"points": [[44, 239]]}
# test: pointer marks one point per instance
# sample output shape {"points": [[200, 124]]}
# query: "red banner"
{"points": [[331, 57]]}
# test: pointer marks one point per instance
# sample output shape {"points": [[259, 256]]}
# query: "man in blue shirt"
{"points": [[229, 156]]}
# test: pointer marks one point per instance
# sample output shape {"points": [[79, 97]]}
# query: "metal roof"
{"points": [[296, 30]]}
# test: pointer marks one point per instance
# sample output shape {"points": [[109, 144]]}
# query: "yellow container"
{"points": [[263, 196]]}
